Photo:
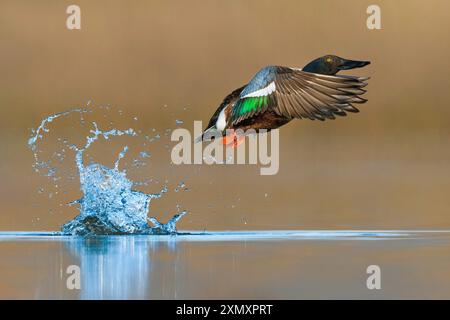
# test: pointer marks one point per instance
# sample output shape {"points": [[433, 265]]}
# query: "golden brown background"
{"points": [[386, 167]]}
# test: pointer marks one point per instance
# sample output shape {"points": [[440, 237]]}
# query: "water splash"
{"points": [[38, 134], [171, 225], [109, 204]]}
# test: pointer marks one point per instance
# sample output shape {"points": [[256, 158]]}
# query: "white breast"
{"points": [[221, 122]]}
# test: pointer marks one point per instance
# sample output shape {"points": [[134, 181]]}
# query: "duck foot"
{"points": [[233, 140]]}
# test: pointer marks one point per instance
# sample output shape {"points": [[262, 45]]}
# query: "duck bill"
{"points": [[352, 64]]}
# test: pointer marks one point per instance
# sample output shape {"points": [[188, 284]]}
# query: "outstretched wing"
{"points": [[293, 93], [256, 97]]}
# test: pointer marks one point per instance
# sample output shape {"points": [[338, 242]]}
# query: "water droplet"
{"points": [[144, 154]]}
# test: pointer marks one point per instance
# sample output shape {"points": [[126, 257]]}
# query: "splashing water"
{"points": [[109, 204]]}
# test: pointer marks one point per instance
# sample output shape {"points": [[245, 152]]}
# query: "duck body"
{"points": [[276, 95]]}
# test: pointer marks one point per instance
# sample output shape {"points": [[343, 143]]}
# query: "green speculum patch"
{"points": [[253, 103]]}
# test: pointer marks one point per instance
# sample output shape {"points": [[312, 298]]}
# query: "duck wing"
{"points": [[293, 93]]}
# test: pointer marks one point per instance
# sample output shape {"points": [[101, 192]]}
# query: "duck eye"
{"points": [[328, 60]]}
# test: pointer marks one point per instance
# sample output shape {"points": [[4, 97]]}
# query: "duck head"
{"points": [[331, 65]]}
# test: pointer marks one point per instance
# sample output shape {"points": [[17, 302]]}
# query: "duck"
{"points": [[277, 94]]}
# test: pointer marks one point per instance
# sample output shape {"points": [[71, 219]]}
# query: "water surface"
{"points": [[270, 264]]}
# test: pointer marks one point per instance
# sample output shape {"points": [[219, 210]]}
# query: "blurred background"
{"points": [[162, 61]]}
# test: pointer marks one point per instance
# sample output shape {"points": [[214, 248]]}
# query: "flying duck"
{"points": [[276, 95]]}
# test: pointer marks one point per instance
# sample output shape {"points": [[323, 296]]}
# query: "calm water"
{"points": [[265, 264]]}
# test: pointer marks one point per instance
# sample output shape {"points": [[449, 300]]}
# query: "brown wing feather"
{"points": [[302, 94]]}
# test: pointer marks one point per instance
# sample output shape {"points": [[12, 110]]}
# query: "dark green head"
{"points": [[331, 64]]}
